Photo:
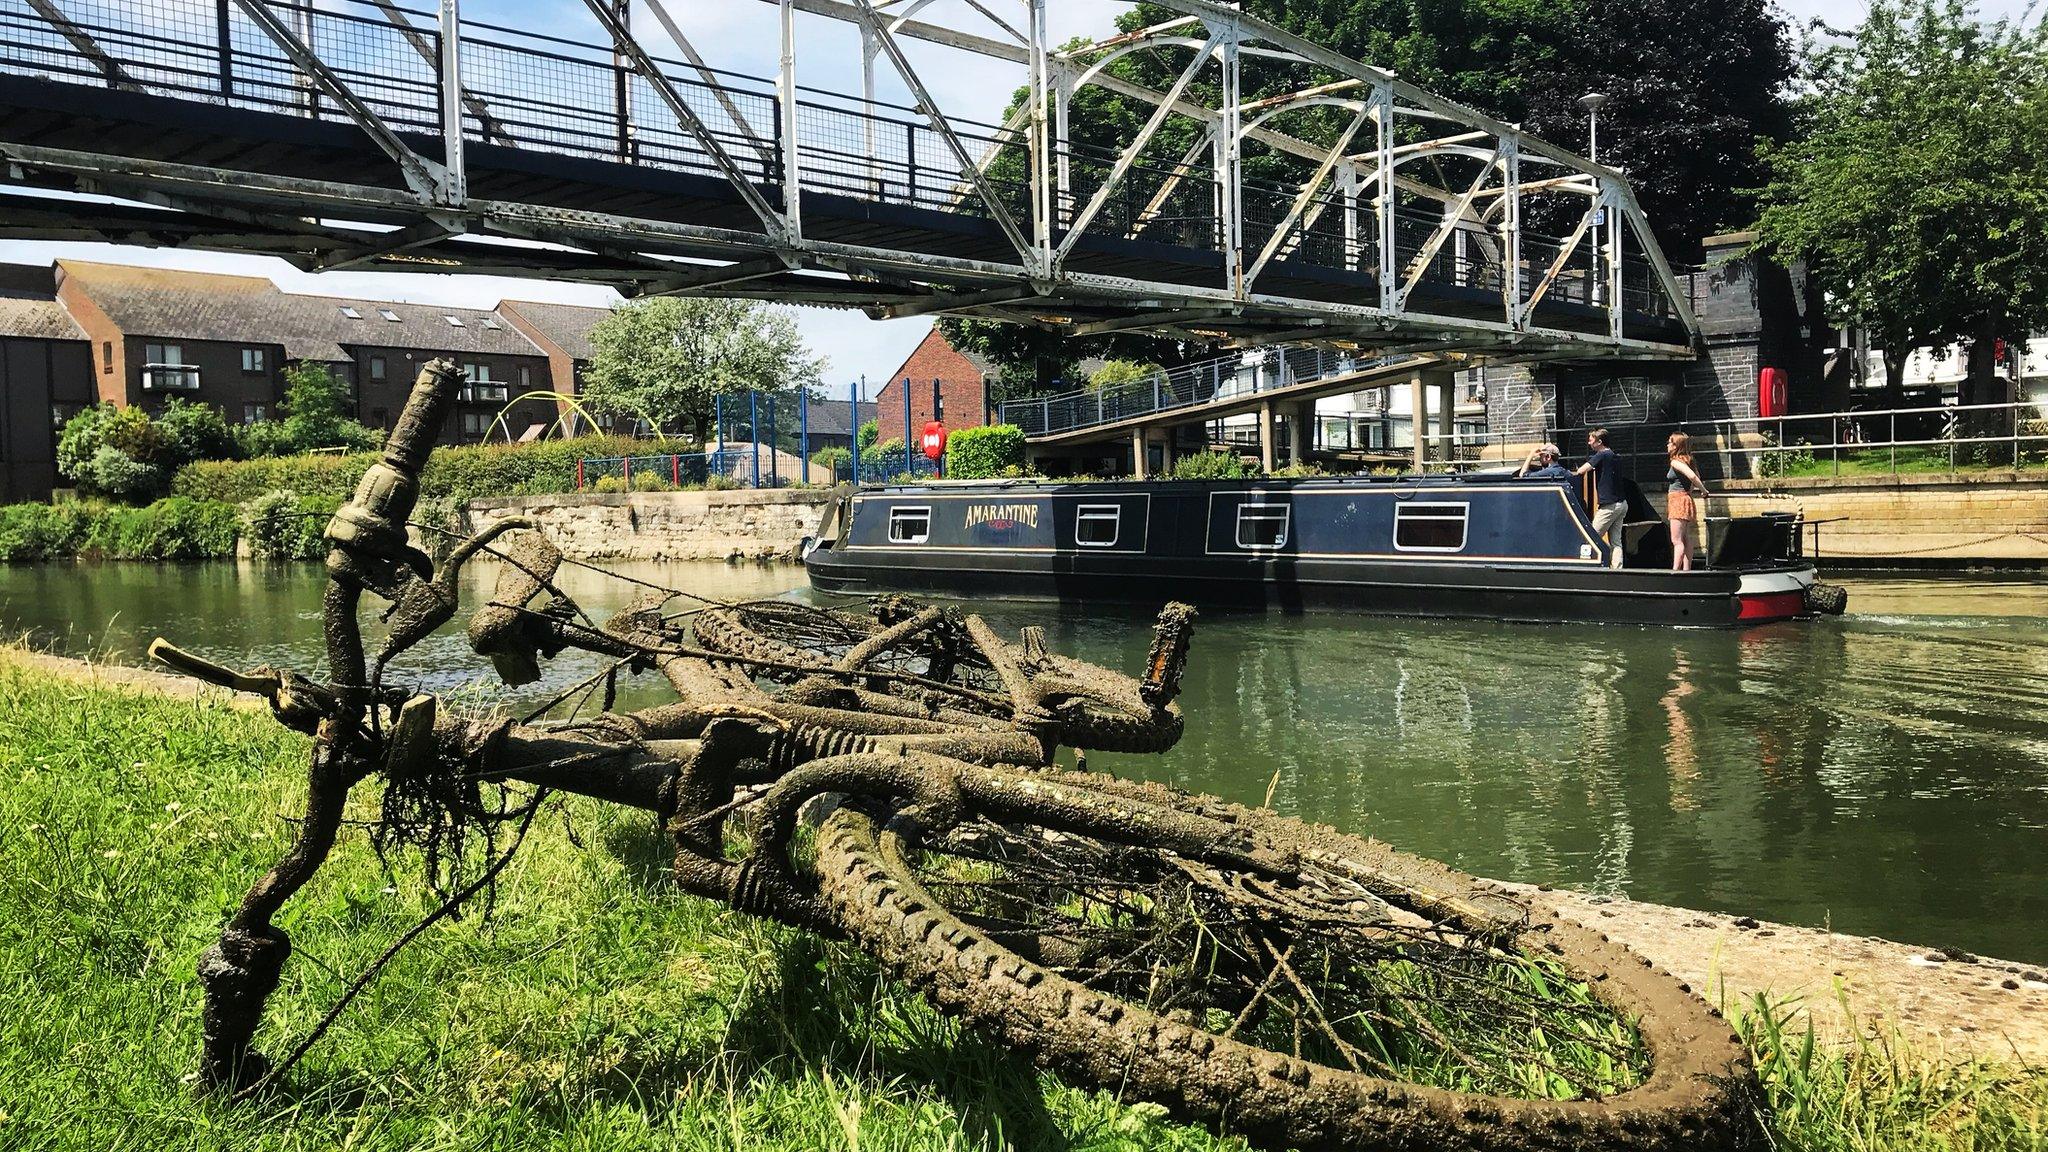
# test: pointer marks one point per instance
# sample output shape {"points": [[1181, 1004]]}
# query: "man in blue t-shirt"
{"points": [[1542, 465], [1610, 510]]}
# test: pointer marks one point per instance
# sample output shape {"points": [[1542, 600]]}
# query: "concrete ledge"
{"points": [[731, 525], [2027, 482]]}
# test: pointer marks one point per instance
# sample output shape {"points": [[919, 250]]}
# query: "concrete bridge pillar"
{"points": [[1138, 447], [1266, 445]]}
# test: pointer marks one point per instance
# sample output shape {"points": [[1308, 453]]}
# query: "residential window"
{"points": [[492, 324], [351, 313], [106, 356], [477, 423], [380, 417], [255, 413], [255, 361], [1430, 527], [164, 369], [1263, 527], [481, 389], [1097, 525], [389, 315], [61, 414], [376, 367], [453, 321], [910, 525], [525, 377]]}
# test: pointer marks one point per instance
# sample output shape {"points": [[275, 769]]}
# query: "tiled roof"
{"points": [[567, 326], [180, 305], [422, 326], [831, 417], [28, 305]]}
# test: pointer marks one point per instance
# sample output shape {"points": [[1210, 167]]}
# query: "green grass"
{"points": [[598, 1010]]}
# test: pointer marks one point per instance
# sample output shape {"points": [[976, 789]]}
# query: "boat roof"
{"points": [[1433, 480]]}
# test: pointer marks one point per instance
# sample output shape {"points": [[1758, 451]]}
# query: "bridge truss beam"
{"points": [[1274, 189]]}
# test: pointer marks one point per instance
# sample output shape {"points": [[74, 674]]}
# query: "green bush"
{"points": [[175, 528], [840, 460], [1209, 466], [984, 453], [889, 451], [125, 454], [870, 431], [456, 475], [609, 485], [282, 525], [31, 532]]}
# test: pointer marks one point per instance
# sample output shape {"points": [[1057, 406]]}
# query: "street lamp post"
{"points": [[1593, 102]]}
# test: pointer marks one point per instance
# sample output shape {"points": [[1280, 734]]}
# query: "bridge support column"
{"points": [[1266, 445], [1447, 419], [1138, 446], [1418, 419]]}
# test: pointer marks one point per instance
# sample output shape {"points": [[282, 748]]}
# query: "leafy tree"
{"points": [[317, 412], [1919, 185], [870, 431], [667, 357], [196, 432], [1120, 373]]}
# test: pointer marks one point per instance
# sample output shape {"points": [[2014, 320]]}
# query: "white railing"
{"points": [[170, 378], [1948, 438]]}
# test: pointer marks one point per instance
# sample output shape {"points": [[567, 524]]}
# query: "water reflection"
{"points": [[1884, 773]]}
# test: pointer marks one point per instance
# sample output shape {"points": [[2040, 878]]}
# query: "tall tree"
{"points": [[1919, 184], [667, 357]]}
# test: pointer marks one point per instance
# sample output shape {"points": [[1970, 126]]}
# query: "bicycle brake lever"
{"points": [[297, 702], [199, 668]]}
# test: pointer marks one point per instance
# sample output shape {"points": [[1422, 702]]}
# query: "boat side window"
{"points": [[910, 525], [1430, 527], [1097, 525], [1263, 527]]}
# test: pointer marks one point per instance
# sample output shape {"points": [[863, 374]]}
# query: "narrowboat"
{"points": [[1479, 546]]}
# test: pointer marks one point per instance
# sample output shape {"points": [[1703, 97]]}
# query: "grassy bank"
{"points": [[597, 1010]]}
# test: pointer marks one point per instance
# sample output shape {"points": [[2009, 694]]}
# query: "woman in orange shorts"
{"points": [[1681, 507]]}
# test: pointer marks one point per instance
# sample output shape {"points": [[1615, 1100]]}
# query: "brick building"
{"points": [[78, 333], [946, 385], [45, 378]]}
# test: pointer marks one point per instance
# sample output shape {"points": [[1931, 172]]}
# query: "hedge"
{"points": [[174, 528], [984, 453], [453, 475]]}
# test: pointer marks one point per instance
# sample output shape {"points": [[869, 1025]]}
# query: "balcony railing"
{"points": [[170, 378]]}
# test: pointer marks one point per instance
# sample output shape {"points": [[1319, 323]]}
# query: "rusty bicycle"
{"points": [[886, 774]]}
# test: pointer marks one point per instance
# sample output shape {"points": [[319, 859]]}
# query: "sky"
{"points": [[741, 36]]}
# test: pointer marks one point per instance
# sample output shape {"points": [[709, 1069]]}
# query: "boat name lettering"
{"points": [[1002, 515]]}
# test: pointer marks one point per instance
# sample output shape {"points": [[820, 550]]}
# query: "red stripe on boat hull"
{"points": [[1770, 606]]}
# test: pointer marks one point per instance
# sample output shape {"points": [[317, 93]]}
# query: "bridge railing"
{"points": [[1187, 386]]}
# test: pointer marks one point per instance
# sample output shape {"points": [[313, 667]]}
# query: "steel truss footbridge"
{"points": [[1266, 190]]}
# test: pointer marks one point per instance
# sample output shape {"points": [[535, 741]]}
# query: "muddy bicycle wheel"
{"points": [[1368, 1000]]}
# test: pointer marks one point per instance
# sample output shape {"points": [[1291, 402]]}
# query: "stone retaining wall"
{"points": [[745, 524], [1918, 521]]}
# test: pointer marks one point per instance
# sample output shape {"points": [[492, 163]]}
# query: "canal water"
{"points": [[1885, 774]]}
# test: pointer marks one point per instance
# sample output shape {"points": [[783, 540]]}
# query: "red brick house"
{"points": [[946, 385]]}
